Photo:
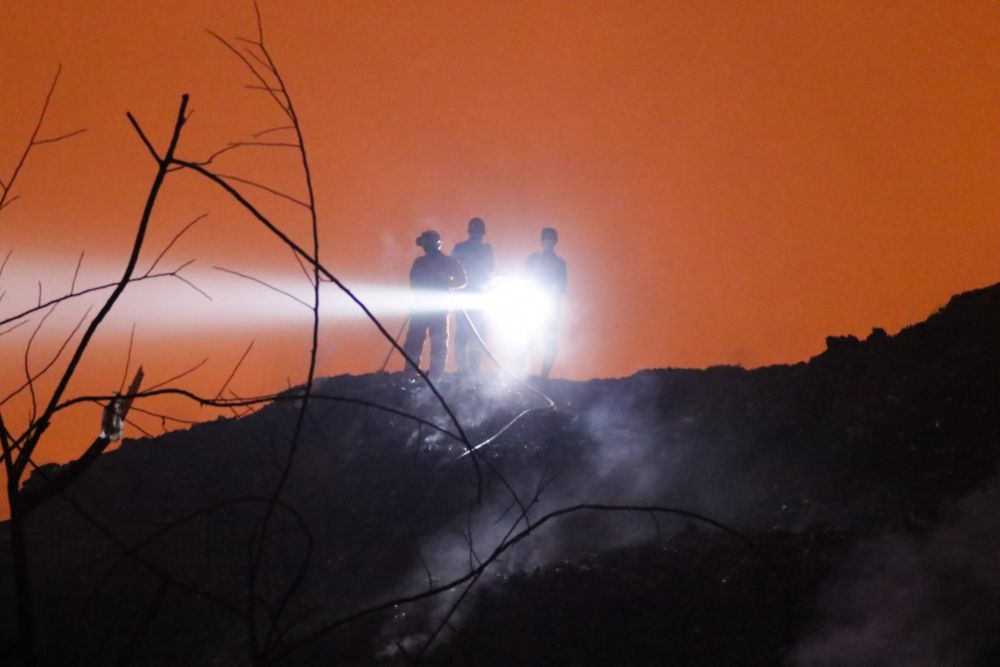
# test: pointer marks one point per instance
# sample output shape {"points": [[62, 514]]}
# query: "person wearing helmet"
{"points": [[548, 271], [477, 260], [434, 272]]}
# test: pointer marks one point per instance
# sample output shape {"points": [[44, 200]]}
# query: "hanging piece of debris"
{"points": [[113, 419]]}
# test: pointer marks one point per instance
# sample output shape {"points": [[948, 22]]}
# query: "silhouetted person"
{"points": [[477, 260], [548, 271], [435, 271]]}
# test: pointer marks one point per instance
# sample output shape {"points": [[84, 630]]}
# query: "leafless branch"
{"points": [[7, 186], [8, 202], [173, 241], [43, 422], [175, 377], [253, 54], [500, 549], [330, 277], [16, 326], [29, 381], [160, 390], [236, 368], [133, 552], [305, 271], [128, 359], [265, 284], [32, 378], [67, 135], [265, 188], [246, 144], [142, 136], [138, 427], [76, 272], [192, 286], [97, 288], [271, 130], [165, 417], [253, 71], [6, 258]]}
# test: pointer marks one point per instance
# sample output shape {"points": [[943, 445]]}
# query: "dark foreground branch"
{"points": [[502, 548]]}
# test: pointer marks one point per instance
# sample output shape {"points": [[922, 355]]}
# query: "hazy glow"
{"points": [[517, 309]]}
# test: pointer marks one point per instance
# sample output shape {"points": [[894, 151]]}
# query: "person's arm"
{"points": [[562, 276], [489, 259], [414, 272], [457, 277]]}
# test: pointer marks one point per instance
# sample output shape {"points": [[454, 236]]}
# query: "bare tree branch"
{"points": [[236, 368], [265, 188], [502, 548], [160, 390], [128, 359], [253, 70], [173, 241], [271, 130], [171, 379], [52, 361], [76, 272], [7, 186], [67, 135], [265, 284], [43, 422], [16, 326], [330, 277], [97, 288], [6, 258]]}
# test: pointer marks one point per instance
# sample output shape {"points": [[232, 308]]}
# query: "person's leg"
{"points": [[464, 338], [550, 344], [437, 325], [475, 351], [414, 344]]}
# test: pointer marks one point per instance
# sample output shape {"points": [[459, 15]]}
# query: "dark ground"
{"points": [[866, 480]]}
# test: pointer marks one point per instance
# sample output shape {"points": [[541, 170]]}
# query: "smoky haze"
{"points": [[885, 447]]}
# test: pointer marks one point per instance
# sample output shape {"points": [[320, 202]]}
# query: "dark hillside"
{"points": [[867, 478]]}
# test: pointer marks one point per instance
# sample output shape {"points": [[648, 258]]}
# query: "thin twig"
{"points": [[67, 135], [16, 326], [128, 359], [95, 288], [305, 271], [330, 277], [8, 186], [6, 258], [173, 241], [272, 129], [176, 377], [235, 369], [253, 71], [76, 272], [502, 548], [265, 284], [192, 286], [42, 424], [265, 188]]}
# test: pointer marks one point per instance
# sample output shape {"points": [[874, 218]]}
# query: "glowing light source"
{"points": [[519, 302]]}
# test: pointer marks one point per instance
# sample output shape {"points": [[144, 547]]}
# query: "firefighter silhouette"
{"points": [[476, 258], [435, 272], [548, 271]]}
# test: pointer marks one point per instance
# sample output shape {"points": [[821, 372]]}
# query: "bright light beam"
{"points": [[517, 309]]}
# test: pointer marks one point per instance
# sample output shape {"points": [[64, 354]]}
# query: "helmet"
{"points": [[429, 239], [477, 227]]}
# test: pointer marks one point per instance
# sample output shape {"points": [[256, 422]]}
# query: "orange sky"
{"points": [[732, 181]]}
